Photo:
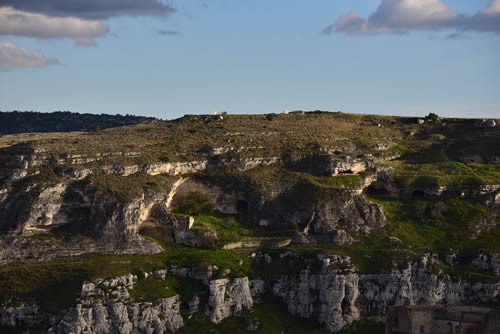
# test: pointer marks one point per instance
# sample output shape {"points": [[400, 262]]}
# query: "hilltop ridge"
{"points": [[62, 121], [244, 223]]}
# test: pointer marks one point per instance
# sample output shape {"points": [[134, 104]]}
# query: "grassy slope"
{"points": [[181, 139]]}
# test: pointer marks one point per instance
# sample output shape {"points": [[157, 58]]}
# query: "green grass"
{"points": [[428, 225], [333, 182], [55, 284], [444, 173], [228, 227], [151, 289]]}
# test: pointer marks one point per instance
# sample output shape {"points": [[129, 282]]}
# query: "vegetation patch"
{"points": [[228, 227], [197, 203], [128, 188], [428, 225], [152, 289]]}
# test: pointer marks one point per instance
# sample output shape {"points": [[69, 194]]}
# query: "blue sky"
{"points": [[261, 56]]}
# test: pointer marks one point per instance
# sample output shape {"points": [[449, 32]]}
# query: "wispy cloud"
{"points": [[456, 35], [401, 16], [168, 32], [13, 56]]}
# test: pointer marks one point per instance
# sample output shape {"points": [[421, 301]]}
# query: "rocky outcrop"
{"points": [[19, 315], [229, 297], [121, 318], [334, 294], [260, 243], [340, 219], [89, 220], [335, 216], [337, 297], [487, 263], [21, 161], [175, 229], [328, 296], [104, 306]]}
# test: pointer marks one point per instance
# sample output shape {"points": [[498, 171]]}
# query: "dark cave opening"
{"points": [[418, 193], [242, 206]]}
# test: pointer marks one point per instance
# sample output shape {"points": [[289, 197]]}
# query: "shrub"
{"points": [[230, 222], [473, 181], [197, 203], [96, 128], [164, 158], [426, 182], [270, 117], [432, 116]]}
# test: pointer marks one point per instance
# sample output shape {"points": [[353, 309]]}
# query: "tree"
{"points": [[197, 203], [432, 116]]}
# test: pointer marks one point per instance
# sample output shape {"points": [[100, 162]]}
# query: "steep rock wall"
{"points": [[336, 297]]}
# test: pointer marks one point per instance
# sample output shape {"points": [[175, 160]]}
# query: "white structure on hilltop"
{"points": [[220, 113]]}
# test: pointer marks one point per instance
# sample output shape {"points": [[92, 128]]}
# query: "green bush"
{"points": [[164, 158], [426, 182], [96, 128], [270, 117], [432, 116], [197, 203], [473, 181]]}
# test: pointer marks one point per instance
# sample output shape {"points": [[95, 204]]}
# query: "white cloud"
{"points": [[20, 23], [492, 9], [400, 16], [13, 56]]}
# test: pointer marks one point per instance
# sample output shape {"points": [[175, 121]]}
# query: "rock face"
{"points": [[117, 317], [342, 216], [487, 262], [335, 217], [337, 297], [230, 297], [101, 222], [104, 306], [176, 229]]}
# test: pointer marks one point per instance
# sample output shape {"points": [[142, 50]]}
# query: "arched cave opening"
{"points": [[242, 206], [152, 226], [376, 190], [418, 193]]}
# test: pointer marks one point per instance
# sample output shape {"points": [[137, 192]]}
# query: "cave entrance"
{"points": [[374, 190], [242, 206], [346, 172], [153, 227], [418, 193]]}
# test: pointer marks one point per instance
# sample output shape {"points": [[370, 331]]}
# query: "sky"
{"points": [[170, 58]]}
